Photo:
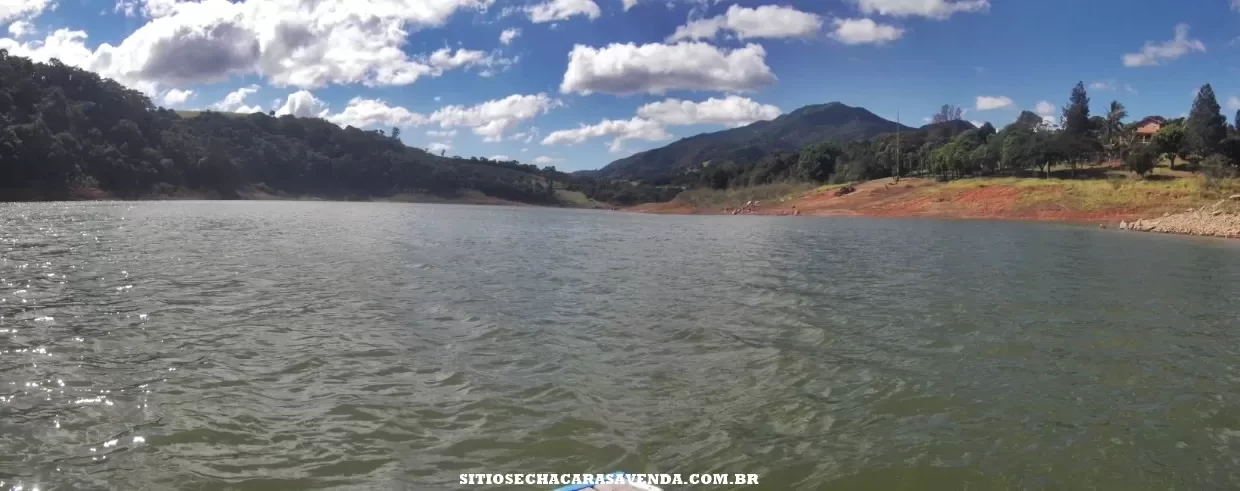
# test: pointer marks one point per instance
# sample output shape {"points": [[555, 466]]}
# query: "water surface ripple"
{"points": [[298, 345]]}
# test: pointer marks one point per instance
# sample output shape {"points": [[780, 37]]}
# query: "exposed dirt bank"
{"points": [[1104, 201]]}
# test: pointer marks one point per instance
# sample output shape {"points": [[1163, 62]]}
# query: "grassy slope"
{"points": [[578, 199]]}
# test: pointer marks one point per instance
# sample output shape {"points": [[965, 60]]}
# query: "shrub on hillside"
{"points": [[1141, 160], [1218, 166]]}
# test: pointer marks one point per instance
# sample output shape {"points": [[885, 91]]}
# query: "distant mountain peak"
{"points": [[815, 123], [820, 107]]}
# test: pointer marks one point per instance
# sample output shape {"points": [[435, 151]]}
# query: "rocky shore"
{"points": [[1219, 220]]}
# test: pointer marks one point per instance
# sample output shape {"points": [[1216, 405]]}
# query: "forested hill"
{"points": [[64, 131], [832, 122]]}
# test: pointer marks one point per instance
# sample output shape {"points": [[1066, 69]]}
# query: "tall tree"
{"points": [[1027, 120], [1077, 140], [1142, 160], [1205, 127], [948, 113], [1236, 124], [1076, 113], [1171, 141], [1113, 130], [1115, 121], [986, 131]]}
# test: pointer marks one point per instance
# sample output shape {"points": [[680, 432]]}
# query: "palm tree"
{"points": [[1125, 138], [1115, 121]]}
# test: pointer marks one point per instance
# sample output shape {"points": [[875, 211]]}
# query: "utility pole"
{"points": [[897, 173]]}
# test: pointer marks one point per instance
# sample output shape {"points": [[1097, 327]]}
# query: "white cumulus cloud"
{"points": [[526, 136], [729, 111], [508, 35], [657, 68], [1044, 108], [491, 119], [176, 97], [767, 21], [543, 159], [290, 43], [21, 28], [64, 44], [1156, 53], [932, 9], [21, 9], [864, 31], [652, 119], [446, 59], [553, 10], [235, 101], [620, 130], [303, 104], [148, 8], [372, 113], [987, 103]]}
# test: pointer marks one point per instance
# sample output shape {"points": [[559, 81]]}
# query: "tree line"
{"points": [[64, 130], [949, 148]]}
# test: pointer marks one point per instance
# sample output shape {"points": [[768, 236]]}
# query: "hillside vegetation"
{"points": [[1203, 144], [68, 133]]}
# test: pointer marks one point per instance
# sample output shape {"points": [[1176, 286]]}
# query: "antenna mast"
{"points": [[897, 145]]}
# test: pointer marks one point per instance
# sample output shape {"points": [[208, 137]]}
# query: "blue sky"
{"points": [[580, 83]]}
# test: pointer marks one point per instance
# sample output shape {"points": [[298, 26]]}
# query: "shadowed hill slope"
{"points": [[66, 132], [831, 122]]}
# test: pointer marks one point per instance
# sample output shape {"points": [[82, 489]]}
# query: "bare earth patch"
{"points": [[1104, 201]]}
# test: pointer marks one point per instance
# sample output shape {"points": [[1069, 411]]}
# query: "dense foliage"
{"points": [[1141, 160], [623, 193], [64, 130], [1029, 146], [1205, 127]]}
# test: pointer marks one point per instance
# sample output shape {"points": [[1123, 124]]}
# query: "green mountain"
{"points": [[66, 132], [832, 122]]}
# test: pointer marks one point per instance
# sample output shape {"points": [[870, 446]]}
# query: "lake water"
{"points": [[295, 345]]}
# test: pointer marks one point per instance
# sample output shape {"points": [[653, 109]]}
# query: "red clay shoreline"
{"points": [[983, 200], [914, 198]]}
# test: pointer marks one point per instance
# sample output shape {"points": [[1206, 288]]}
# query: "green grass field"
{"points": [[577, 199], [1161, 191]]}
